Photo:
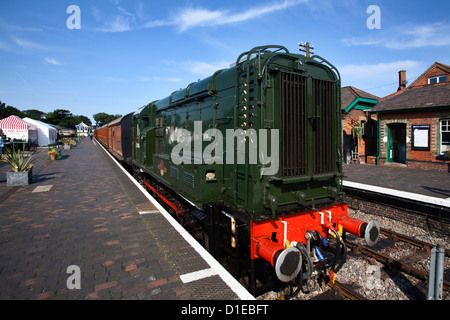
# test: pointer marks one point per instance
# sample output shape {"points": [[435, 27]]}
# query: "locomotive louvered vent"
{"points": [[324, 135], [294, 125], [188, 179], [296, 118], [174, 172]]}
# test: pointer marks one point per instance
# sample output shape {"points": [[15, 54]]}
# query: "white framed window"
{"points": [[445, 135], [438, 79]]}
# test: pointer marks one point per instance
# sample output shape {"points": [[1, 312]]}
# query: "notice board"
{"points": [[421, 138]]}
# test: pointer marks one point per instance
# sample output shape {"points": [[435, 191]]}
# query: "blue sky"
{"points": [[129, 53]]}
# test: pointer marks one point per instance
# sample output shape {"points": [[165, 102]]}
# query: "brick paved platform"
{"points": [[90, 214], [424, 182]]}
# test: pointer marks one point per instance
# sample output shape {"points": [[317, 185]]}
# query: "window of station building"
{"points": [[445, 135], [363, 128], [438, 79]]}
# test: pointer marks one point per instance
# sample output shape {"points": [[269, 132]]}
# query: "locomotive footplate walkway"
{"points": [[84, 230]]}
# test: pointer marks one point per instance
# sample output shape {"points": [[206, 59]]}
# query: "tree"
{"points": [[34, 114], [86, 120], [64, 118], [58, 116], [6, 111], [103, 118]]}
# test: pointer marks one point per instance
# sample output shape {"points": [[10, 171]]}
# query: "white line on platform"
{"points": [[234, 285], [149, 211], [398, 193], [198, 275]]}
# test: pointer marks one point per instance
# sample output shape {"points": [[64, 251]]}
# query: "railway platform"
{"points": [[417, 184], [84, 230]]}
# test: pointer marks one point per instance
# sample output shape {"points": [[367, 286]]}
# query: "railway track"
{"points": [[415, 242], [397, 265], [347, 292]]}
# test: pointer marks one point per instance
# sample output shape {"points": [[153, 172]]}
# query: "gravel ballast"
{"points": [[371, 278]]}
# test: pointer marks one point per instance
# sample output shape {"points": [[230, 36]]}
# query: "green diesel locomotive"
{"points": [[249, 160]]}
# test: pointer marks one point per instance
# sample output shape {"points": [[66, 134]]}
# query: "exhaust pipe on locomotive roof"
{"points": [[369, 231], [286, 262]]}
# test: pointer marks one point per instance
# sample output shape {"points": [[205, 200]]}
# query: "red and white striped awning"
{"points": [[13, 122]]}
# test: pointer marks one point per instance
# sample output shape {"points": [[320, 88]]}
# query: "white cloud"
{"points": [[379, 78], [21, 78], [144, 79], [4, 46], [185, 18], [118, 23], [114, 80], [53, 61], [26, 44], [407, 37], [140, 10], [349, 42], [190, 17], [370, 70], [168, 79], [204, 69], [436, 35]]}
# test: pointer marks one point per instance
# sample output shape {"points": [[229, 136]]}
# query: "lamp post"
{"points": [[78, 131]]}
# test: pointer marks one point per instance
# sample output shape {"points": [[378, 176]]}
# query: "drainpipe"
{"points": [[379, 140]]}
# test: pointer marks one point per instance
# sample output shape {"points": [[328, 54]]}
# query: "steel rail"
{"points": [[345, 291], [418, 243]]}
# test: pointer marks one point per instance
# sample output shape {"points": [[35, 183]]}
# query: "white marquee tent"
{"points": [[46, 133], [13, 127]]}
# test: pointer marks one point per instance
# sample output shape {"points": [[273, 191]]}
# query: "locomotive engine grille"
{"points": [[307, 126], [324, 127], [293, 125]]}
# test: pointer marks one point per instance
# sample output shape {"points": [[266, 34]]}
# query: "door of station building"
{"points": [[396, 144]]}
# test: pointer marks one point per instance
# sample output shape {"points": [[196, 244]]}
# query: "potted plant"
{"points": [[53, 154], [67, 143], [356, 130], [21, 173]]}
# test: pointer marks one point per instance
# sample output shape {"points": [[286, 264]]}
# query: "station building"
{"points": [[413, 123], [82, 129], [359, 141]]}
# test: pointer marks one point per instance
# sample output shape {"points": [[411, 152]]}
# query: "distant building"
{"points": [[415, 121], [82, 129], [359, 142]]}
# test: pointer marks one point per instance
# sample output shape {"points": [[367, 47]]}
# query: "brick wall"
{"points": [[414, 158], [433, 73], [429, 217], [363, 144]]}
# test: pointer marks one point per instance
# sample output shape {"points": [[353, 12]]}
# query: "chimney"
{"points": [[402, 80]]}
